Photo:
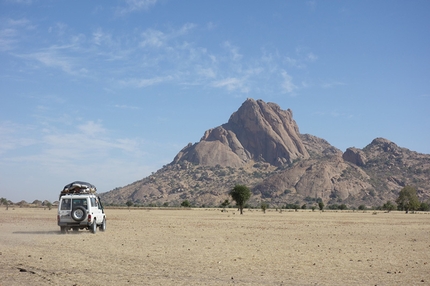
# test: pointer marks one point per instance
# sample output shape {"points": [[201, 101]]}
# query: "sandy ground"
{"points": [[210, 247]]}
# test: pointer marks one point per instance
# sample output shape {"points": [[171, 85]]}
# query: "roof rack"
{"points": [[78, 187]]}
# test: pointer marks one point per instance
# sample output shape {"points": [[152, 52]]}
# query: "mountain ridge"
{"points": [[261, 146]]}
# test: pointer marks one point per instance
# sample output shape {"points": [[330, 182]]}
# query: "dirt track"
{"points": [[209, 247]]}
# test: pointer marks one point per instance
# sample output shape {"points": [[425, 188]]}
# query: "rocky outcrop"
{"points": [[257, 132], [380, 146], [318, 147], [354, 156]]}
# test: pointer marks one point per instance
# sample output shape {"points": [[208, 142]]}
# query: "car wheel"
{"points": [[103, 226], [93, 228], [76, 229], [79, 213], [63, 229]]}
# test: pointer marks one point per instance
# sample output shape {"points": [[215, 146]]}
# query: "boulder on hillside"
{"points": [[355, 156]]}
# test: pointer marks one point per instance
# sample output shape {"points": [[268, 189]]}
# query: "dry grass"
{"points": [[209, 247]]}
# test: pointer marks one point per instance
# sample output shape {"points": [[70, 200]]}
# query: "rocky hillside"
{"points": [[261, 146]]}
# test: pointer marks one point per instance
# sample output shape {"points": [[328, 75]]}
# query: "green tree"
{"points": [[240, 194], [408, 199], [186, 204], [264, 206], [4, 201], [362, 207], [129, 203], [321, 205]]}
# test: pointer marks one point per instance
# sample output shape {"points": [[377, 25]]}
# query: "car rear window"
{"points": [[65, 204], [79, 203]]}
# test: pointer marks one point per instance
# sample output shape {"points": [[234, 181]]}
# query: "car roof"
{"points": [[81, 183]]}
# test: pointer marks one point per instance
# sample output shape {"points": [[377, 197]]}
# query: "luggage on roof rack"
{"points": [[78, 187]]}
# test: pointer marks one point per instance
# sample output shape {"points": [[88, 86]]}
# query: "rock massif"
{"points": [[261, 146], [258, 131]]}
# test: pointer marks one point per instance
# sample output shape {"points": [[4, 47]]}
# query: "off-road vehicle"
{"points": [[80, 208]]}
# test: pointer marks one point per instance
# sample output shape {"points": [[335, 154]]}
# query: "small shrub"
{"points": [[425, 207], [343, 207], [388, 206], [185, 204], [286, 192], [264, 206]]}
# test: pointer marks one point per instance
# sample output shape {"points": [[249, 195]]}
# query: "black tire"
{"points": [[103, 225], [93, 226], [76, 229], [63, 229], [79, 213]]}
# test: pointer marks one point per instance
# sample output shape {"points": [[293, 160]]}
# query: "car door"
{"points": [[64, 210], [96, 210]]}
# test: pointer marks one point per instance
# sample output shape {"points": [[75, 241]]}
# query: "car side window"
{"points": [[100, 204], [93, 202]]}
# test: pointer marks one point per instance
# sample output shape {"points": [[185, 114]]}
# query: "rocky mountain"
{"points": [[257, 132], [260, 146]]}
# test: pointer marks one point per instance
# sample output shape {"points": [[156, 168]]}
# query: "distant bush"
{"points": [[224, 204], [343, 207], [292, 206], [333, 207], [309, 199], [186, 204], [425, 207], [264, 206], [388, 206]]}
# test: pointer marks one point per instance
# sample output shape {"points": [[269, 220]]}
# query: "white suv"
{"points": [[80, 208]]}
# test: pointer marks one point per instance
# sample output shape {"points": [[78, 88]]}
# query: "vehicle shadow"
{"points": [[56, 232]]}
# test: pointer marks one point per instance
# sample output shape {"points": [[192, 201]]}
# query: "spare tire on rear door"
{"points": [[79, 213]]}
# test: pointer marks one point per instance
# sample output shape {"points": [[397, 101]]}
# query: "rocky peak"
{"points": [[257, 131], [383, 147], [383, 144]]}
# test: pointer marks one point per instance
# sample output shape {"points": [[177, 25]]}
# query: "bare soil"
{"points": [[210, 247]]}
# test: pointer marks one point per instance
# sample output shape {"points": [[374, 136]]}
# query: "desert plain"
{"points": [[210, 247]]}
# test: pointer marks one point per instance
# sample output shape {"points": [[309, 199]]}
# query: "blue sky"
{"points": [[110, 91]]}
